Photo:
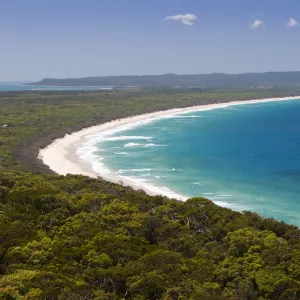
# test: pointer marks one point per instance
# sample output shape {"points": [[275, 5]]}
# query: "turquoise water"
{"points": [[245, 157], [19, 86]]}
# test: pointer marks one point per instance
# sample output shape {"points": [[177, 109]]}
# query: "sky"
{"points": [[80, 38]]}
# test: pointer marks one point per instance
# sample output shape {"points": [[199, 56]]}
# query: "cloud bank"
{"points": [[186, 19]]}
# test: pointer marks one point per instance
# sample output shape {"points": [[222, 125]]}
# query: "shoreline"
{"points": [[61, 156]]}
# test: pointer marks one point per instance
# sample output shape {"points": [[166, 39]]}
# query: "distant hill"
{"points": [[269, 79]]}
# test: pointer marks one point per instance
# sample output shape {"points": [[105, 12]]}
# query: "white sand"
{"points": [[62, 156]]}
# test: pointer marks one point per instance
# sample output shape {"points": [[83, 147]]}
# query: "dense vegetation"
{"points": [[73, 237], [219, 80]]}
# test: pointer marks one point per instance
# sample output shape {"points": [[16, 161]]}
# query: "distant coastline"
{"points": [[214, 80], [61, 156]]}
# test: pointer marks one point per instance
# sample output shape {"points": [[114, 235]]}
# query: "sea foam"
{"points": [[129, 145], [126, 137]]}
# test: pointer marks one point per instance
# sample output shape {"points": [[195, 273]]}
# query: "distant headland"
{"points": [[214, 80]]}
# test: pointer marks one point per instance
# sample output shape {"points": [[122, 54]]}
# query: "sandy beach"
{"points": [[63, 158]]}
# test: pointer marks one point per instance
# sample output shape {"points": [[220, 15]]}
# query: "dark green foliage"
{"points": [[59, 243]]}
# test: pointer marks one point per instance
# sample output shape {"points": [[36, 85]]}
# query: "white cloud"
{"points": [[292, 23], [256, 24], [187, 19]]}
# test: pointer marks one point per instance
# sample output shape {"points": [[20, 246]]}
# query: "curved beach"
{"points": [[63, 158]]}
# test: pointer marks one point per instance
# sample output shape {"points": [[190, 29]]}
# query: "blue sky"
{"points": [[77, 38]]}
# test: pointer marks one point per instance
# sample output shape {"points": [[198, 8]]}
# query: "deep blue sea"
{"points": [[245, 157], [20, 86]]}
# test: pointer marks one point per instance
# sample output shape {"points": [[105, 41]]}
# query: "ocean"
{"points": [[20, 86], [244, 157]]}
